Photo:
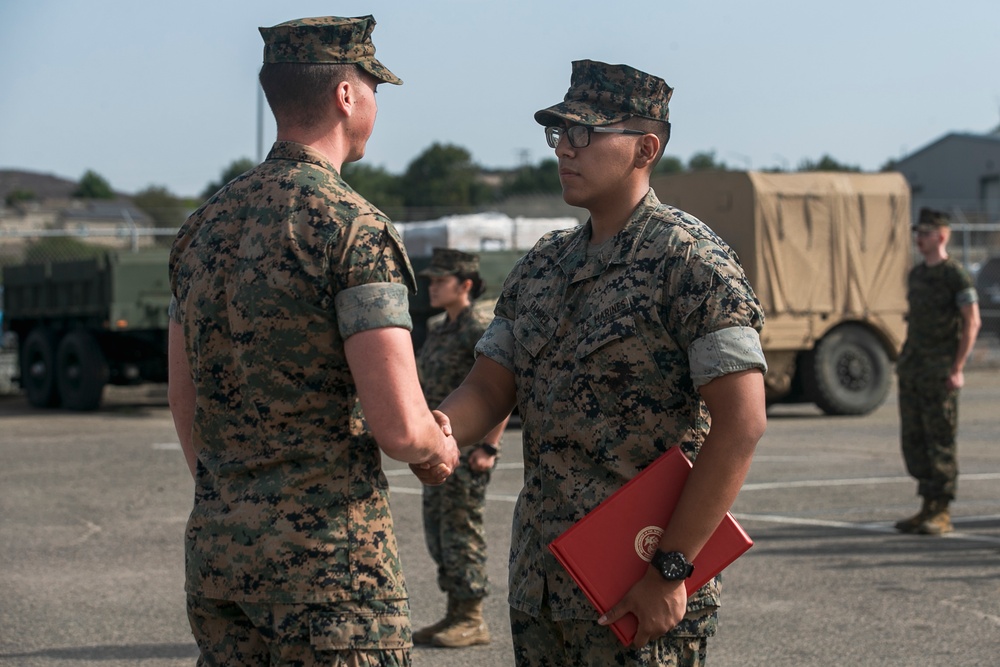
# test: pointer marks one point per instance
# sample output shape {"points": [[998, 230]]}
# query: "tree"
{"points": [[166, 210], [825, 163], [18, 195], [377, 186], [93, 186], [669, 164], [235, 168], [444, 176], [542, 178], [705, 161], [59, 248]]}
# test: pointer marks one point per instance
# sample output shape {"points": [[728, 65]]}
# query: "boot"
{"points": [[424, 635], [938, 522], [468, 627], [910, 525]]}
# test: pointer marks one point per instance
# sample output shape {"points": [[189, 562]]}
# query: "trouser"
{"points": [[540, 641], [455, 534], [928, 416], [337, 634]]}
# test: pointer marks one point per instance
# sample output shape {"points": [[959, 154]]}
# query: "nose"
{"points": [[564, 147]]}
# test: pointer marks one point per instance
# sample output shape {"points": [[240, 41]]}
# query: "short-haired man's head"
{"points": [[301, 94], [660, 128]]}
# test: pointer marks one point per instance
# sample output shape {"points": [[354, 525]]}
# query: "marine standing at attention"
{"points": [[942, 325], [453, 512]]}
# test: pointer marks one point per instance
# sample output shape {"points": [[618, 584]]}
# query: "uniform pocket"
{"points": [[360, 630]]}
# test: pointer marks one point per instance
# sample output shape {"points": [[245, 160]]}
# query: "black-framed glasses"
{"points": [[579, 135]]}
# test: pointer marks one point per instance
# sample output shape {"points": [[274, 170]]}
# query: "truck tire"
{"points": [[848, 372], [38, 368], [81, 371]]}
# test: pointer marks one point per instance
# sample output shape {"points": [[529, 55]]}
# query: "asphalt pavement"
{"points": [[92, 512]]}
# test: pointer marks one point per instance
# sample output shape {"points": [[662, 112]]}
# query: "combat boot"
{"points": [[910, 525], [468, 629], [938, 522], [425, 635]]}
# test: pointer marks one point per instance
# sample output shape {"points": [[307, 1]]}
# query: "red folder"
{"points": [[609, 549]]}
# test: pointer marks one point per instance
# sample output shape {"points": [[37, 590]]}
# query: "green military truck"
{"points": [[85, 323]]}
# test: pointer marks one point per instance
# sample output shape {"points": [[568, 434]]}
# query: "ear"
{"points": [[646, 150], [344, 98]]}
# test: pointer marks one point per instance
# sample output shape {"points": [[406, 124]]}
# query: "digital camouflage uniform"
{"points": [[453, 511], [608, 352], [928, 409], [290, 536]]}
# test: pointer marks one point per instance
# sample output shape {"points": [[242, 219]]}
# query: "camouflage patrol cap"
{"points": [[448, 262], [930, 218], [601, 94], [326, 40]]}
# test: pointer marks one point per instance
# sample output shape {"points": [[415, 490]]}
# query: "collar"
{"points": [[621, 249], [290, 150]]}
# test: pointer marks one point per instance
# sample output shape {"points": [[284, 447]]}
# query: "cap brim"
{"points": [[576, 112], [432, 272], [380, 71]]}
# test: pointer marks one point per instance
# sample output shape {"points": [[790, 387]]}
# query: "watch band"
{"points": [[488, 448]]}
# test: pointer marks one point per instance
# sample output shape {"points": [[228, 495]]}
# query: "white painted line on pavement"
{"points": [[167, 445], [873, 527]]}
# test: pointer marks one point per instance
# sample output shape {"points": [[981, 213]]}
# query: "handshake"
{"points": [[444, 459]]}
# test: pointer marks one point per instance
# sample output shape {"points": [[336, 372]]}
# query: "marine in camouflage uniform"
{"points": [[453, 512], [612, 347], [290, 551], [941, 299]]}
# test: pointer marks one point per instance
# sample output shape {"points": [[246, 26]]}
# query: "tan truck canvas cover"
{"points": [[819, 248]]}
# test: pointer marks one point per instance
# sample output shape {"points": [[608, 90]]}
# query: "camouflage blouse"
{"points": [[270, 276], [607, 353], [935, 295]]}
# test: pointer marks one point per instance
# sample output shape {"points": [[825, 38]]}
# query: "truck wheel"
{"points": [[38, 375], [82, 371], [848, 372]]}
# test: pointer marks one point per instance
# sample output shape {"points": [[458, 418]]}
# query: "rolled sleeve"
{"points": [[725, 351], [967, 297], [174, 310], [373, 306], [497, 343]]}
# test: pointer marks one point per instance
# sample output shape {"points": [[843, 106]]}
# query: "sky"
{"points": [[165, 93]]}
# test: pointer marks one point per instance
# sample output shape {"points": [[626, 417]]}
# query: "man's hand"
{"points": [[658, 604], [438, 468], [956, 380], [481, 461]]}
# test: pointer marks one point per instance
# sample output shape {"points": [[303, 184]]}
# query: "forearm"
{"points": [[496, 433], [385, 373], [738, 422], [967, 340], [481, 405]]}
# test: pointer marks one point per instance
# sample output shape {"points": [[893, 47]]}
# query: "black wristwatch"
{"points": [[488, 448], [672, 565]]}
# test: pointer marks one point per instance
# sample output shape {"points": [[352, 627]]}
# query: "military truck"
{"points": [[827, 254], [85, 323]]}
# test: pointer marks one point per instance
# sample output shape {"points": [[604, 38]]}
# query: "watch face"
{"points": [[673, 565]]}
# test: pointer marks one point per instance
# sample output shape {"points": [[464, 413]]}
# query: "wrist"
{"points": [[489, 448]]}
